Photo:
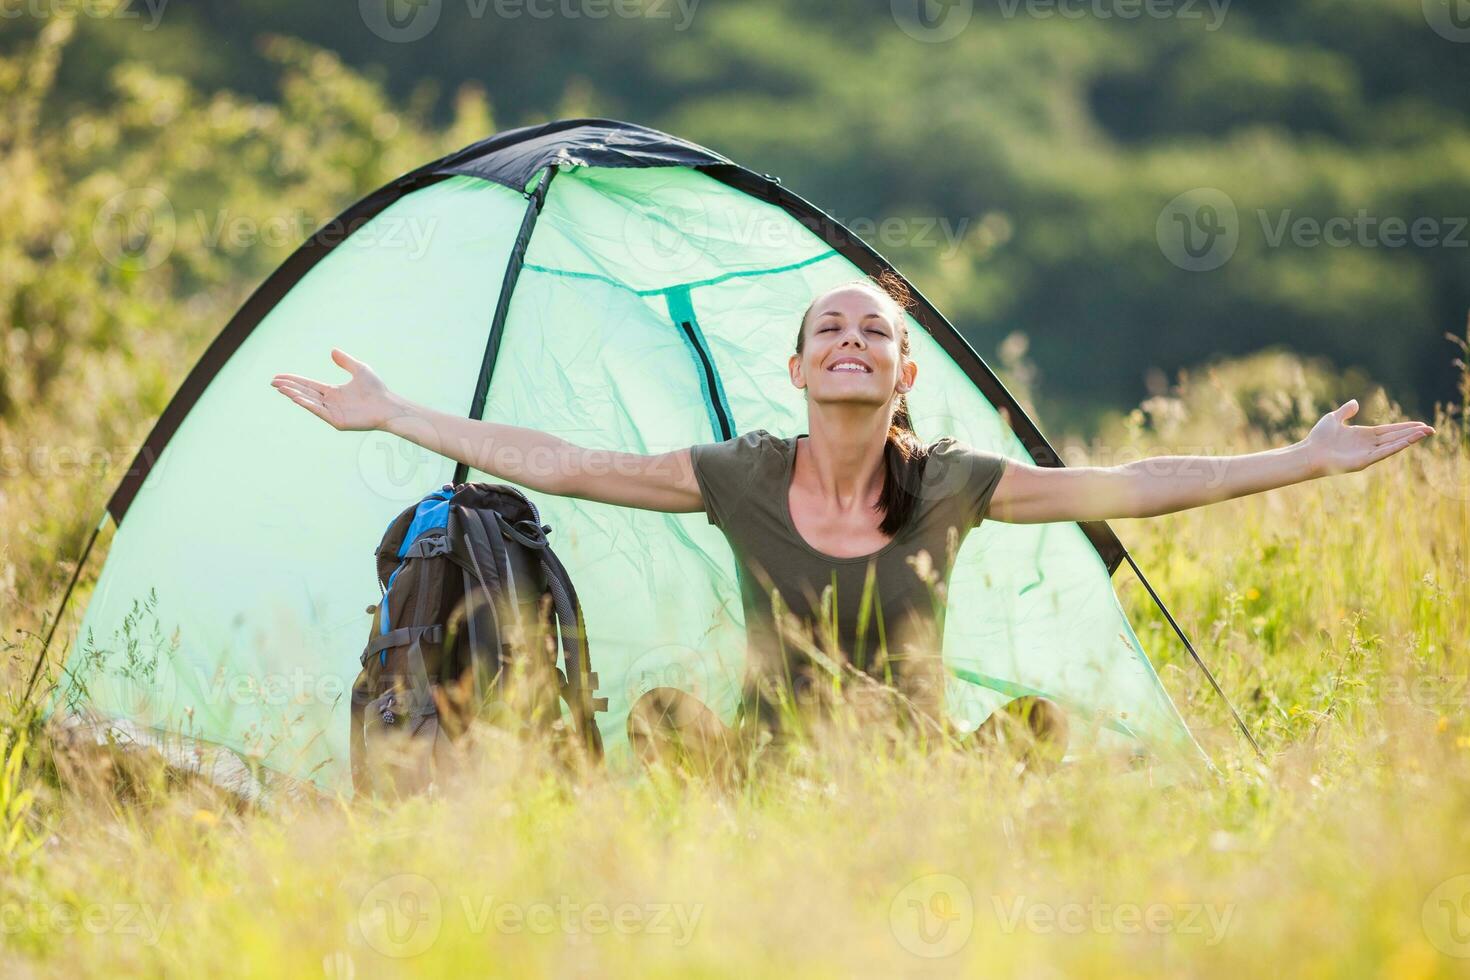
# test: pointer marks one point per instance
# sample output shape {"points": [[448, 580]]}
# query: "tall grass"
{"points": [[1335, 611]]}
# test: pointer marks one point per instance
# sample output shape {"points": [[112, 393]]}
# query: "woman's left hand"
{"points": [[1334, 446]]}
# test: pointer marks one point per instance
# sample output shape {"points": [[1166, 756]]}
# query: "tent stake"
{"points": [[61, 609], [1240, 722]]}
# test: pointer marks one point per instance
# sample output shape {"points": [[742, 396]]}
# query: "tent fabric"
{"points": [[629, 293]]}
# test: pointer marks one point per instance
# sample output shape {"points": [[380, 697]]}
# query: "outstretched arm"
{"points": [[1030, 494], [534, 459]]}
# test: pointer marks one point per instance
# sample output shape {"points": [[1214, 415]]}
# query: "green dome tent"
{"points": [[616, 286]]}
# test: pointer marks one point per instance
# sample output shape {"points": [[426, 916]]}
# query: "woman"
{"points": [[856, 511]]}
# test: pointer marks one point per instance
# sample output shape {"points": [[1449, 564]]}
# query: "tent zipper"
{"points": [[722, 414]]}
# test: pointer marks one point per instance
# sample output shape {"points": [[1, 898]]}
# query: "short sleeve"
{"points": [[959, 473], [727, 472]]}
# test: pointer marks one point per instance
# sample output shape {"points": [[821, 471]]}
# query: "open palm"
{"points": [[362, 403], [1337, 447]]}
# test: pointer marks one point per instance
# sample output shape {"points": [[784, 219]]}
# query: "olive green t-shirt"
{"points": [[896, 632]]}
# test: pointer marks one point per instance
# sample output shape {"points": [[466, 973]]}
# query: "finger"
{"points": [[297, 395], [1347, 409], [305, 383], [1412, 429], [1394, 446], [315, 408], [346, 361], [306, 401], [1394, 427], [294, 389]]}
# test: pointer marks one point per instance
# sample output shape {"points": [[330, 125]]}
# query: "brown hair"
{"points": [[904, 455]]}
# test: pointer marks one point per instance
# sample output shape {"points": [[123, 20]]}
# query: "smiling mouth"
{"points": [[850, 367]]}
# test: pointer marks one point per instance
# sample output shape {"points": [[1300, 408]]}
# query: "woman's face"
{"points": [[851, 350]]}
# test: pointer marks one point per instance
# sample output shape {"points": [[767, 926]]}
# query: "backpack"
{"points": [[473, 601]]}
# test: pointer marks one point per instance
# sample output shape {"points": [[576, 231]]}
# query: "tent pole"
{"points": [[1240, 722], [65, 598], [535, 200]]}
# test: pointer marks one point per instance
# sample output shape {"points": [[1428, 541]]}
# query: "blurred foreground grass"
{"points": [[1335, 613]]}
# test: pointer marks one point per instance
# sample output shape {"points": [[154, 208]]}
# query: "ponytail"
{"points": [[904, 456]]}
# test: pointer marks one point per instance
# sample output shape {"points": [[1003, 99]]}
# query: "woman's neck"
{"points": [[843, 458]]}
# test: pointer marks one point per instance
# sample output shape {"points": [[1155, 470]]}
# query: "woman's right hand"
{"points": [[363, 403]]}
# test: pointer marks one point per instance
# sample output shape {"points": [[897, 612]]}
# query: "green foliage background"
{"points": [[1047, 135]]}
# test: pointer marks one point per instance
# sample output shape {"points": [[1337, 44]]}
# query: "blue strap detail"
{"points": [[432, 512], [383, 603]]}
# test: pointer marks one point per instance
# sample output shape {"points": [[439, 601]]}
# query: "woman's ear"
{"points": [[798, 377], [907, 373]]}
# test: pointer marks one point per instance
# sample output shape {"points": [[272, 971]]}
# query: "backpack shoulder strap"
{"points": [[581, 681]]}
